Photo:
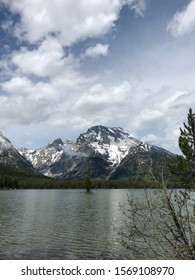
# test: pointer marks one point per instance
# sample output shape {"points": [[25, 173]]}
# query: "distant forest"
{"points": [[11, 182]]}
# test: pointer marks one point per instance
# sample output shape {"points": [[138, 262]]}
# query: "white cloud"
{"points": [[97, 50], [46, 60], [16, 85], [26, 102], [139, 6], [160, 117], [69, 20], [102, 104], [100, 98], [45, 85], [42, 77], [149, 118], [150, 138], [183, 22], [160, 111]]}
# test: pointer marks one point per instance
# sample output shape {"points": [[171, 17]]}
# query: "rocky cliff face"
{"points": [[111, 153], [9, 156], [142, 162]]}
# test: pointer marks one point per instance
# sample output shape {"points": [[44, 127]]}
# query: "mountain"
{"points": [[141, 162], [110, 153], [11, 161], [111, 143], [54, 159]]}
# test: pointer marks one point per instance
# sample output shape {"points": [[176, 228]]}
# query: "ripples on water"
{"points": [[61, 224]]}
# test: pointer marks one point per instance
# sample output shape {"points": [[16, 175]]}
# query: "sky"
{"points": [[67, 65]]}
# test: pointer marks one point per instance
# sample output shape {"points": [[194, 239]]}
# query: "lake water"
{"points": [[71, 224], [61, 224]]}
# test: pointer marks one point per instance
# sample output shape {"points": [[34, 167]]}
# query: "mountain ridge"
{"points": [[11, 159], [109, 152]]}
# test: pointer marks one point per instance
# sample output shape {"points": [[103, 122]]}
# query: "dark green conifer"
{"points": [[184, 168], [87, 181]]}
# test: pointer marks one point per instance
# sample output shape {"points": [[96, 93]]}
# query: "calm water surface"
{"points": [[61, 224]]}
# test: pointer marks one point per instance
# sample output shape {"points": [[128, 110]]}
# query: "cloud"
{"points": [[97, 50], [46, 84], [183, 22], [25, 102], [69, 20], [59, 101], [46, 60], [102, 103], [150, 138], [161, 115], [22, 87], [100, 98], [160, 110], [139, 6], [42, 79], [149, 118]]}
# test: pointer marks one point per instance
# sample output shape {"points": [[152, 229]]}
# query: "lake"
{"points": [[68, 224], [61, 224]]}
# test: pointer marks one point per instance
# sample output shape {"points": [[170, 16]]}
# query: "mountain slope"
{"points": [[110, 153], [111, 143], [54, 159], [100, 148], [11, 161], [142, 162]]}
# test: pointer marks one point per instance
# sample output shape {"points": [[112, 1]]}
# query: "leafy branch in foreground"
{"points": [[162, 223]]}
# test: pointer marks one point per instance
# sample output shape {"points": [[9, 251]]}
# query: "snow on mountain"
{"points": [[114, 143], [106, 151], [9, 156], [5, 144], [42, 158], [142, 163]]}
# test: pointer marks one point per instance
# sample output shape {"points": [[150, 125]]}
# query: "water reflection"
{"points": [[60, 224]]}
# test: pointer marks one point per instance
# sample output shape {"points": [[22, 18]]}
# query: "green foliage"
{"points": [[165, 221], [87, 181], [8, 182], [14, 182], [187, 137], [17, 172], [184, 168], [162, 222]]}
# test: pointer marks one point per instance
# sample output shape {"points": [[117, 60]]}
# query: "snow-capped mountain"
{"points": [[141, 162], [9, 156], [112, 143], [101, 149], [51, 159]]}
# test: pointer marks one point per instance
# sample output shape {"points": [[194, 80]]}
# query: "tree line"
{"points": [[10, 182]]}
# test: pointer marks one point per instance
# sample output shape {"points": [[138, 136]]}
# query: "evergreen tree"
{"points": [[165, 220], [184, 168], [87, 181]]}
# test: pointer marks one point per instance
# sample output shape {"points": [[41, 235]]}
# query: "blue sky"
{"points": [[66, 65]]}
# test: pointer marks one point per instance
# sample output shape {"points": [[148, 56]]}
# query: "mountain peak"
{"points": [[9, 156], [56, 143], [112, 143], [110, 152], [5, 144], [103, 135]]}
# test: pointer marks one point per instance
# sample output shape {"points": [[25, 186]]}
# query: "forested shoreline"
{"points": [[8, 182]]}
